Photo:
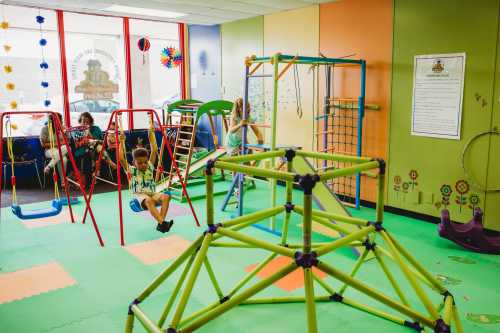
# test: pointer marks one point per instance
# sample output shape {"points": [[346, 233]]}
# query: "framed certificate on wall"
{"points": [[438, 85]]}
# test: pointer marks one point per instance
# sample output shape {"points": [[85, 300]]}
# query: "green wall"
{"points": [[429, 27], [239, 39]]}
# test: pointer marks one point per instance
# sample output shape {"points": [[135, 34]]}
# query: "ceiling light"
{"points": [[143, 11]]}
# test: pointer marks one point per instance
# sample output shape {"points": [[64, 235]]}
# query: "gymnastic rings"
{"points": [[468, 175]]}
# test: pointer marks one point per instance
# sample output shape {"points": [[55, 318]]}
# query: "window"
{"points": [[154, 84], [24, 58], [96, 66]]}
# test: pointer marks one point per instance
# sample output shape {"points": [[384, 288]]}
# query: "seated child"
{"points": [[53, 153], [142, 179]]}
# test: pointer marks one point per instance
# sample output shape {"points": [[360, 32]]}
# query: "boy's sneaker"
{"points": [[165, 226]]}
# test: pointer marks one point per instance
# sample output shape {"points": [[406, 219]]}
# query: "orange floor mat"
{"points": [[292, 281], [33, 281], [158, 250], [63, 217]]}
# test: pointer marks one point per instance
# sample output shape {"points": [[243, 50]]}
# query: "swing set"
{"points": [[57, 139], [162, 182]]}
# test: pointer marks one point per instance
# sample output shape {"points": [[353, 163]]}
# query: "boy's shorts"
{"points": [[141, 197]]}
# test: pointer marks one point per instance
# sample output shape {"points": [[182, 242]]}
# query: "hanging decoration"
{"points": [[143, 44], [7, 68], [171, 57], [44, 66]]}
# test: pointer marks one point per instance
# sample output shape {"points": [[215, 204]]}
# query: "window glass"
{"points": [[22, 76], [96, 66], [156, 79]]}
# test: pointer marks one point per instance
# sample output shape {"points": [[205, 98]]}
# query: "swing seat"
{"points": [[55, 209], [73, 201], [135, 205]]}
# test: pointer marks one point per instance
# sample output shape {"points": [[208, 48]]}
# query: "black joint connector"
{"points": [[441, 327], [307, 182], [381, 166], [446, 294], [378, 226], [210, 167], [289, 207], [134, 302], [306, 260], [289, 154], [212, 228], [296, 178], [171, 330], [369, 246], [224, 299], [415, 325], [336, 297]]}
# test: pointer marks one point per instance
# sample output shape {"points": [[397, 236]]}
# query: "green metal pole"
{"points": [[409, 276], [212, 277], [175, 292], [380, 194], [335, 217], [170, 269], [344, 240], [289, 198], [274, 125], [253, 157], [255, 217], [232, 245], [456, 320], [191, 280], [323, 284], [312, 325], [255, 171], [390, 277], [360, 286], [250, 275], [417, 266], [129, 324], [355, 269], [307, 223], [448, 310], [334, 157], [210, 196], [253, 241], [239, 298], [145, 321], [348, 170], [197, 314], [371, 310]]}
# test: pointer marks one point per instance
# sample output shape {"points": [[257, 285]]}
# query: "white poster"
{"points": [[438, 85]]}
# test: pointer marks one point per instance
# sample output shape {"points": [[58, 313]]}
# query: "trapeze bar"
{"points": [[349, 170], [334, 157], [254, 171], [307, 60], [260, 75]]}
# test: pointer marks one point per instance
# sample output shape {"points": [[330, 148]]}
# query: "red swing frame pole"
{"points": [[58, 130], [154, 115]]}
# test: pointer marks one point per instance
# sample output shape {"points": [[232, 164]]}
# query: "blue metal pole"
{"points": [[361, 115], [241, 179], [326, 110]]}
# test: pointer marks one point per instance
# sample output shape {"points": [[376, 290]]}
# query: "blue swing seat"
{"points": [[55, 209], [73, 201], [135, 205]]}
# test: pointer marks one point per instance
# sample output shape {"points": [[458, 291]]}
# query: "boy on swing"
{"points": [[142, 182]]}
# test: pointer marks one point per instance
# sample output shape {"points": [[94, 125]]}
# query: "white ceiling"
{"points": [[199, 11]]}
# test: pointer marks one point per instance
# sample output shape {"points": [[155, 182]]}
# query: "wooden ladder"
{"points": [[183, 151]]}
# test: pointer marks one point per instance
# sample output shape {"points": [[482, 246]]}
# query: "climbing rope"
{"points": [[10, 152], [298, 97], [52, 150]]}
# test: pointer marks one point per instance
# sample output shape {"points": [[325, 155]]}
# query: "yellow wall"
{"points": [[293, 32]]}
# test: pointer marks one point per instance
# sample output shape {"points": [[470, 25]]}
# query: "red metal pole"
{"points": [[128, 71], [64, 68], [119, 178], [184, 59]]}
